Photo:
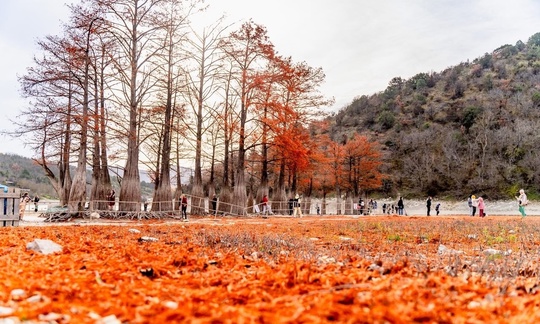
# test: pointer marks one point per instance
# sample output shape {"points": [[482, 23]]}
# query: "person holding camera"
{"points": [[522, 201]]}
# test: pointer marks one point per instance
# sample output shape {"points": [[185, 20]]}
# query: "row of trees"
{"points": [[132, 81]]}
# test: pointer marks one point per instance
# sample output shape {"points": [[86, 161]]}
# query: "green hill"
{"points": [[24, 173], [21, 172], [472, 128]]}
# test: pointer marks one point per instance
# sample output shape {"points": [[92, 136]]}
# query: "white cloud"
{"points": [[360, 44]]}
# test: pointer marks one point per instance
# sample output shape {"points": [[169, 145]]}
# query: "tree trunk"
{"points": [[104, 184], [77, 194]]}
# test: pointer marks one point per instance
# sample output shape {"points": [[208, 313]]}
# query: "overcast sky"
{"points": [[360, 44]]}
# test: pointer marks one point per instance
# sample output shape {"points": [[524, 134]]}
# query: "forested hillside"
{"points": [[21, 172], [472, 128]]}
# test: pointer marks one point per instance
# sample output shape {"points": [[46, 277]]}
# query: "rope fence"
{"points": [[204, 207]]}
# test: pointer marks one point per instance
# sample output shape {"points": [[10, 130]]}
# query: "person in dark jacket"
{"points": [[184, 203], [214, 205], [400, 206], [428, 205], [36, 200], [291, 203]]}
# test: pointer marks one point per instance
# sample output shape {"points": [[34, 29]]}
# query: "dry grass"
{"points": [[366, 270]]}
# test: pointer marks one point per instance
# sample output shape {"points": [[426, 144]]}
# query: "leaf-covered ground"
{"points": [[277, 270]]}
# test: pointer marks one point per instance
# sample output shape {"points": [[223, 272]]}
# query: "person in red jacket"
{"points": [[264, 204], [184, 203]]}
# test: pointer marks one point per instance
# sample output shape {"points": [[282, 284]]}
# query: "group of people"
{"points": [[398, 208], [371, 205], [295, 206], [428, 206], [475, 204]]}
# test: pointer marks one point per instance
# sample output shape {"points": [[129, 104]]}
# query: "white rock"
{"points": [[94, 316], [44, 246], [374, 267], [95, 215], [170, 304], [111, 319], [494, 252], [18, 294], [134, 231], [50, 317], [148, 239], [35, 299], [5, 311], [443, 250], [325, 259], [10, 320]]}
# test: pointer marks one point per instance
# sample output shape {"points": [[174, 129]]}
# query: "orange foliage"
{"points": [[317, 270], [363, 162], [353, 166], [287, 100]]}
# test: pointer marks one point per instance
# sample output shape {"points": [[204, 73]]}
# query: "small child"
{"points": [[481, 207], [438, 208]]}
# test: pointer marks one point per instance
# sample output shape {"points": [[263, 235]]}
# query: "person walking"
{"points": [[438, 208], [400, 206], [522, 201], [290, 205], [428, 205], [264, 205], [469, 203], [184, 203]]}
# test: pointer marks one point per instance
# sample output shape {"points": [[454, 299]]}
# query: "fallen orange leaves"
{"points": [[316, 270]]}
